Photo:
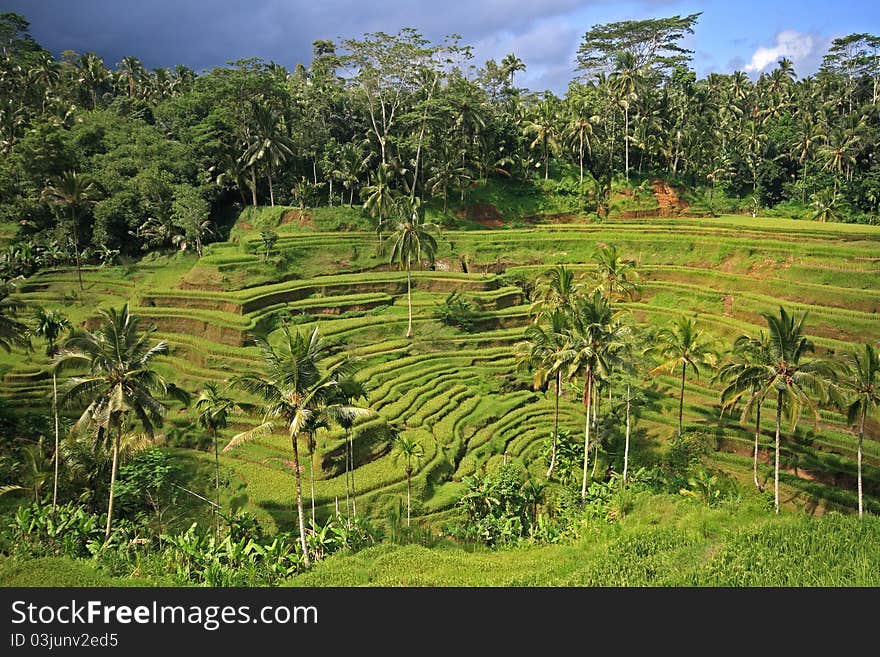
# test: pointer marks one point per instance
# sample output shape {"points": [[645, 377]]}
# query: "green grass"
{"points": [[663, 541]]}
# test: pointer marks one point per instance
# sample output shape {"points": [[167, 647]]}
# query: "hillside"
{"points": [[458, 393]]}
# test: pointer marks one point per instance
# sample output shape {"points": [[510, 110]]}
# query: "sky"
{"points": [[748, 35]]}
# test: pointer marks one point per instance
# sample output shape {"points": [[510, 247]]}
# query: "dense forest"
{"points": [[135, 159]]}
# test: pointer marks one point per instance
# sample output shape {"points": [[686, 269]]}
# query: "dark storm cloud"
{"points": [[208, 34]]}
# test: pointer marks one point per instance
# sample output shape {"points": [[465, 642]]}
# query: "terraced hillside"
{"points": [[458, 393]]}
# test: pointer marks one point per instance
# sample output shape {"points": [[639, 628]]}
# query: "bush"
{"points": [[458, 312]]}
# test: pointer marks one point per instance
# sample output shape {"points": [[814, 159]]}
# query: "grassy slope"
{"points": [[727, 269]]}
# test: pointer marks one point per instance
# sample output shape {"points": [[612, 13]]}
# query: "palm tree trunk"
{"points": [[581, 153], [271, 192], [312, 475], [216, 482], [757, 436], [299, 501], [347, 480], [555, 426], [859, 455], [681, 399], [409, 298], [626, 444], [113, 469], [588, 398], [76, 249], [625, 138], [351, 196], [804, 184], [408, 482], [353, 490], [330, 192], [254, 187], [776, 464], [55, 412]]}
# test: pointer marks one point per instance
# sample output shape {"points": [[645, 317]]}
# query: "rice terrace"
{"points": [[389, 319]]}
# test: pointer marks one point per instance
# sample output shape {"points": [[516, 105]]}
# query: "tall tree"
{"points": [[682, 344], [295, 394], [412, 240], [120, 381], [597, 337], [543, 351], [214, 409], [411, 451], [861, 382], [49, 324], [654, 43], [76, 192], [795, 383], [748, 352]]}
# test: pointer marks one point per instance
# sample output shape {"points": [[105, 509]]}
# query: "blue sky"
{"points": [[748, 35]]}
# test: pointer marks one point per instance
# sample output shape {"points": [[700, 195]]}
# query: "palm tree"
{"points": [[76, 192], [352, 163], [682, 345], [557, 289], [13, 333], [510, 65], [48, 325], [543, 351], [214, 409], [131, 70], [268, 143], [794, 382], [411, 450], [616, 276], [597, 337], [861, 382], [379, 201], [347, 391], [580, 132], [748, 352], [542, 126], [624, 80], [294, 394], [412, 239], [120, 381], [92, 75]]}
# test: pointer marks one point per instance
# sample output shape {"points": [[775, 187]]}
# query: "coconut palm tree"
{"points": [[625, 80], [214, 409], [120, 381], [747, 352], [347, 391], [796, 383], [557, 289], [597, 337], [616, 276], [48, 325], [412, 452], [268, 143], [543, 351], [542, 127], [681, 344], [862, 383], [379, 201], [295, 394], [13, 333], [76, 192], [412, 239], [579, 133]]}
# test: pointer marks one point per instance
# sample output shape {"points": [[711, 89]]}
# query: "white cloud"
{"points": [[796, 46]]}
